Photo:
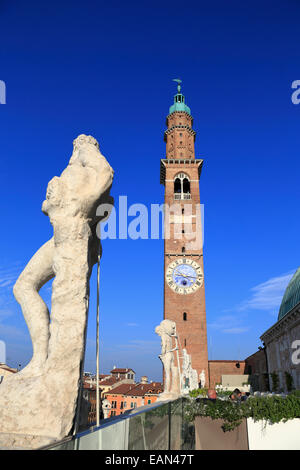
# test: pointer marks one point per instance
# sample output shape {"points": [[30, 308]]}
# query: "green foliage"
{"points": [[224, 393], [199, 392], [289, 381], [271, 409], [295, 393], [275, 382]]}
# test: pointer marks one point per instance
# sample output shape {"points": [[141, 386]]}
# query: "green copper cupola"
{"points": [[179, 100]]}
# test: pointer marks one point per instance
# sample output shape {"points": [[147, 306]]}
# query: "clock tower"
{"points": [[184, 296]]}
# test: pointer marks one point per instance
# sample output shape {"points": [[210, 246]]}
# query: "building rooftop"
{"points": [[109, 381], [121, 389], [121, 371], [147, 389], [137, 389]]}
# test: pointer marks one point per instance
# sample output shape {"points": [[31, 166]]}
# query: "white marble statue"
{"points": [[167, 331], [202, 379], [38, 404], [106, 407], [189, 375], [194, 380]]}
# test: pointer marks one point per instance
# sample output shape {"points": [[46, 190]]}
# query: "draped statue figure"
{"points": [[167, 331]]}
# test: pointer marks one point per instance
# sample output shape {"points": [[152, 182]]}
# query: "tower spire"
{"points": [[179, 100]]}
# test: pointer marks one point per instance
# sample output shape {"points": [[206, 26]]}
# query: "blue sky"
{"points": [[106, 69]]}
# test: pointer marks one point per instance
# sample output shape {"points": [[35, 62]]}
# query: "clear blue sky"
{"points": [[105, 68]]}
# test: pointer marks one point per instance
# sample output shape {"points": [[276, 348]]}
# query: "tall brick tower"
{"points": [[184, 296]]}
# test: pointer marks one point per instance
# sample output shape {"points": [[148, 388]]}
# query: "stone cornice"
{"points": [[181, 112], [180, 161], [290, 319], [183, 255], [188, 128]]}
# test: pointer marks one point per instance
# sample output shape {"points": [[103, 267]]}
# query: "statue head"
{"points": [[83, 139], [81, 186], [166, 327]]}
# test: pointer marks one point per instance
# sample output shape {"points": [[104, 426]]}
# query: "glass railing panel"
{"points": [[112, 437], [176, 425], [68, 444], [188, 428], [162, 427], [150, 430]]}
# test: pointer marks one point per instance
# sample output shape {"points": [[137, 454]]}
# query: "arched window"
{"points": [[186, 186], [177, 186], [182, 187], [184, 316]]}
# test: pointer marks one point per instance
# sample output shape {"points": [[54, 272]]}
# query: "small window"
{"points": [[183, 249], [185, 342], [184, 316]]}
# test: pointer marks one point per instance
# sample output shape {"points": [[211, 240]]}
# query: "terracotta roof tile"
{"points": [[143, 389], [121, 371], [121, 389]]}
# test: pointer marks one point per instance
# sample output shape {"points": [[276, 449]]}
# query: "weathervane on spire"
{"points": [[179, 82]]}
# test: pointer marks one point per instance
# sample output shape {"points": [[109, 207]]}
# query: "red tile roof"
{"points": [[109, 381], [121, 371], [154, 388], [143, 389], [137, 390], [122, 389]]}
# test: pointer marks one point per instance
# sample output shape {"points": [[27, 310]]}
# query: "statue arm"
{"points": [[100, 171]]}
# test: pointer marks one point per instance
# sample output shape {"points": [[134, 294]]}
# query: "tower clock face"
{"points": [[184, 276]]}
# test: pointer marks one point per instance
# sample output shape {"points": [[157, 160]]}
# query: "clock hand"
{"points": [[183, 275]]}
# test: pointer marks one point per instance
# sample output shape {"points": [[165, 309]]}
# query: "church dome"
{"points": [[291, 296], [179, 101], [179, 105]]}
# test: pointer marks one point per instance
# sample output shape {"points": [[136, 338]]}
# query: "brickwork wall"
{"points": [[219, 368]]}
